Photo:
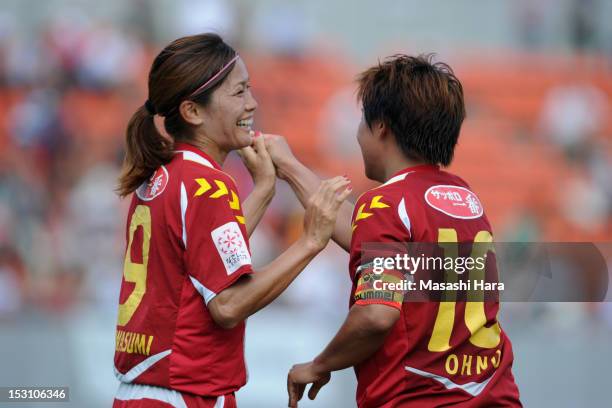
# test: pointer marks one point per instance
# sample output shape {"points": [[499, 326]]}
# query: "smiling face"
{"points": [[228, 118]]}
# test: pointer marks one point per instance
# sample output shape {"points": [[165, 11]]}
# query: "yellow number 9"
{"points": [[136, 272]]}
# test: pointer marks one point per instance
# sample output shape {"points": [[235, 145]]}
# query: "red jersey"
{"points": [[186, 242], [438, 353]]}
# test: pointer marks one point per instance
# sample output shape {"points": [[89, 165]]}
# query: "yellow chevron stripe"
{"points": [[221, 191], [240, 219], [376, 203], [362, 215], [204, 187], [235, 203]]}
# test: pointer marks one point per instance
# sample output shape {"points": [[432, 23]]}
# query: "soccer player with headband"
{"points": [[188, 284]]}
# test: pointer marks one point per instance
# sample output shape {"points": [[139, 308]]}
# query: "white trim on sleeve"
{"points": [[184, 203], [206, 293], [403, 215]]}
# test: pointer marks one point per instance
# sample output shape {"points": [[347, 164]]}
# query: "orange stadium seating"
{"points": [[498, 153]]}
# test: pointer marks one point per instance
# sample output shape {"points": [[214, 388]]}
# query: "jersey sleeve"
{"points": [[217, 253], [377, 235]]}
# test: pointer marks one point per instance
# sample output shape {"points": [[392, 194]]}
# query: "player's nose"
{"points": [[251, 104]]}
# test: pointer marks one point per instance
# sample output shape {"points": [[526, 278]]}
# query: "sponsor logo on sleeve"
{"points": [[454, 201], [231, 246], [154, 186]]}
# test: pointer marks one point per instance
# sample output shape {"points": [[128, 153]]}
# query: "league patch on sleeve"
{"points": [[454, 201], [231, 246]]}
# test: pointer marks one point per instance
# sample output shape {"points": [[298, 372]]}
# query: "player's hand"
{"points": [[299, 376], [258, 161], [322, 210], [280, 152]]}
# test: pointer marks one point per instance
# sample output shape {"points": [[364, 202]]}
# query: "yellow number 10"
{"points": [[136, 272], [475, 317]]}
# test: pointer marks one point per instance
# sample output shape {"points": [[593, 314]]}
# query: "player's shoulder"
{"points": [[155, 186], [377, 208], [382, 202], [453, 179], [189, 167], [187, 161], [390, 191], [425, 187], [413, 185], [449, 194]]}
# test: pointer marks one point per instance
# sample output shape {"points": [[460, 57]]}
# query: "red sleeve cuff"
{"points": [[231, 279]]}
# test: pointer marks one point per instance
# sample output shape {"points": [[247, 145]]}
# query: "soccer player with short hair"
{"points": [[188, 284], [408, 354]]}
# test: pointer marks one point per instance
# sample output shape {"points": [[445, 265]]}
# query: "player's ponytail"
{"points": [[146, 150]]}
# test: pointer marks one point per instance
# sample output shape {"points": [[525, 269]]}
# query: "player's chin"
{"points": [[243, 137]]}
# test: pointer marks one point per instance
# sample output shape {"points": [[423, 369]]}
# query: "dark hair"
{"points": [[176, 73], [419, 101]]}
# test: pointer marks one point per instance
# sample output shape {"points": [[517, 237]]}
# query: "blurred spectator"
{"points": [[92, 232], [283, 30], [62, 41], [522, 227], [23, 203], [530, 22], [572, 114], [141, 18], [583, 24], [109, 57], [6, 30], [599, 166], [584, 204], [12, 282], [35, 122], [339, 120], [25, 62], [205, 16]]}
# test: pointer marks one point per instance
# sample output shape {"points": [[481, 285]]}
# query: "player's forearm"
{"points": [[256, 204], [256, 291], [342, 231], [360, 336], [304, 183]]}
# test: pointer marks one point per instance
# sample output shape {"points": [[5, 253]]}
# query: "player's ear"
{"points": [[380, 130], [191, 112]]}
